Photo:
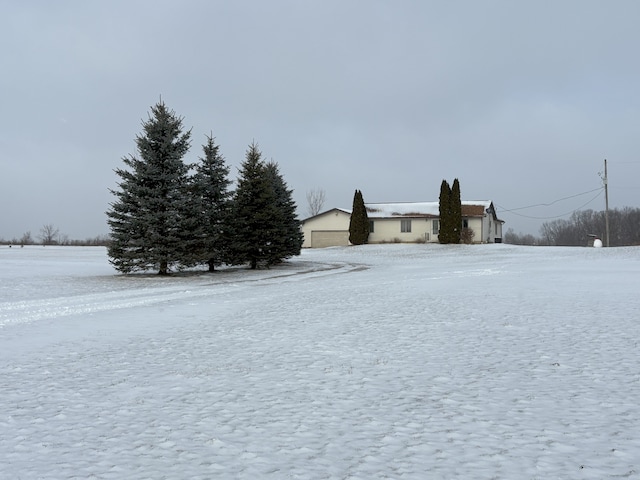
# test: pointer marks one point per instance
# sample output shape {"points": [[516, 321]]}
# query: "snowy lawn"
{"points": [[390, 361]]}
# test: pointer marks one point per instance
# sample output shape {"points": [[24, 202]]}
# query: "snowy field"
{"points": [[389, 361]]}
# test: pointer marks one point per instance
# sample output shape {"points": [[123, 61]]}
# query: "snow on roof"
{"points": [[418, 209], [470, 208]]}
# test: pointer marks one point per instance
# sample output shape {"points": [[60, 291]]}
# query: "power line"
{"points": [[511, 210], [601, 190], [559, 216]]}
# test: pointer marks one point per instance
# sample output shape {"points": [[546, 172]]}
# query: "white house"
{"points": [[401, 223]]}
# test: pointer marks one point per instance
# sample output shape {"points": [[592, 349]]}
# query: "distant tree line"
{"points": [[510, 236], [169, 215], [50, 235], [624, 229]]}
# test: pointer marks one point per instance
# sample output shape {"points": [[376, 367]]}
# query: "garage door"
{"points": [[329, 238]]}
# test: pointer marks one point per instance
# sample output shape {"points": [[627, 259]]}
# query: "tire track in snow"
{"points": [[27, 311]]}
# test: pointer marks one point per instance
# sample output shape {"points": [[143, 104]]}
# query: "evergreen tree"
{"points": [[148, 220], [456, 212], [359, 222], [288, 238], [444, 236], [211, 196], [254, 208]]}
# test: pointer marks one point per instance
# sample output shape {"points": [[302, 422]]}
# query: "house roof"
{"points": [[470, 208], [341, 210]]}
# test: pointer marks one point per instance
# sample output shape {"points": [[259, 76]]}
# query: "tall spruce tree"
{"points": [[254, 209], [211, 196], [359, 221], [456, 212], [148, 219], [444, 236], [289, 238]]}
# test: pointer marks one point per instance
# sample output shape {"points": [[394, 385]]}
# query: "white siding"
{"points": [[476, 224], [331, 221], [388, 230], [486, 229]]}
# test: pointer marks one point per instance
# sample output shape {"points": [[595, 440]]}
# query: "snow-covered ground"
{"points": [[389, 361]]}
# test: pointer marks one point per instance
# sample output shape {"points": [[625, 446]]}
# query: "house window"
{"points": [[405, 226], [435, 227], [370, 226], [465, 223]]}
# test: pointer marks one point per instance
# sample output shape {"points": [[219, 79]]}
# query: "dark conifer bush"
{"points": [[444, 236], [359, 222], [456, 212], [450, 213]]}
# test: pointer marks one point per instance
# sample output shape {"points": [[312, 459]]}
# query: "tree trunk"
{"points": [[164, 267]]}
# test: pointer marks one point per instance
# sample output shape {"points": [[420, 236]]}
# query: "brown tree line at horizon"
{"points": [[624, 229]]}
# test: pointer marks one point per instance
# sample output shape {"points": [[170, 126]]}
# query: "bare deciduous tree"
{"points": [[26, 239], [49, 234], [315, 201], [575, 231]]}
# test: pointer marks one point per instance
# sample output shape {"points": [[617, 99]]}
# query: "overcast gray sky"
{"points": [[520, 100]]}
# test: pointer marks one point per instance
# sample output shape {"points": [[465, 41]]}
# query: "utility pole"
{"points": [[606, 203]]}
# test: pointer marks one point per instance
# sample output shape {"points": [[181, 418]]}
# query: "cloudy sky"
{"points": [[522, 101]]}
